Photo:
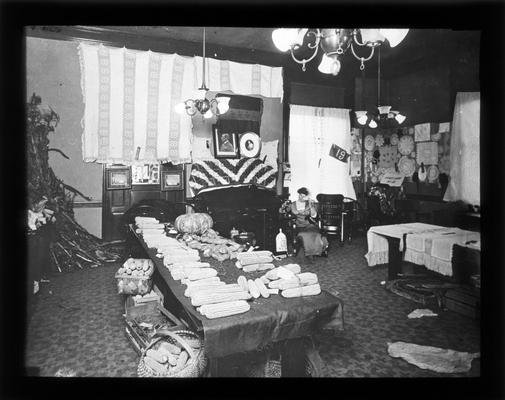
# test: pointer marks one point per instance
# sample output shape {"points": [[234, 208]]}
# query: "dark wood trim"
{"points": [[117, 38], [88, 204]]}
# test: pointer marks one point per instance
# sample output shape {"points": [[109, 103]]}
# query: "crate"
{"points": [[155, 315], [133, 310], [463, 300]]}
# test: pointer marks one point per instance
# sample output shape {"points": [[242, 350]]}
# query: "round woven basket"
{"points": [[191, 342]]}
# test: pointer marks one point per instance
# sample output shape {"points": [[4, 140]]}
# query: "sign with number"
{"points": [[339, 153]]}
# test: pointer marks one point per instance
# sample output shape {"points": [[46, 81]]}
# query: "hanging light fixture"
{"points": [[334, 43], [383, 113], [208, 108]]}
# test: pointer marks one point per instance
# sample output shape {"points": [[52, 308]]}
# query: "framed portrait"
{"points": [[225, 144], [172, 180], [119, 178], [146, 174]]}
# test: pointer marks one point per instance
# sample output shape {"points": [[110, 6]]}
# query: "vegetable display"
{"points": [[197, 223]]}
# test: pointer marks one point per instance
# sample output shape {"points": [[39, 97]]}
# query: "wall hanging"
{"points": [[250, 145]]}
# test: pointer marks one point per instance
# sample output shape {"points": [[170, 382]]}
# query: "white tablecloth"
{"points": [[378, 252], [434, 250]]}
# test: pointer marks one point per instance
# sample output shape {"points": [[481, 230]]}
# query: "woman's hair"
{"points": [[303, 190]]}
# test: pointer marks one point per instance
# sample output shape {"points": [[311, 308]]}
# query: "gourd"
{"points": [[195, 223]]}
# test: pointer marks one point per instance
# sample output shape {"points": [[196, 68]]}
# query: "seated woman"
{"points": [[308, 235]]}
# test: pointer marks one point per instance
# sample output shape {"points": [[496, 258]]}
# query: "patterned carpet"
{"points": [[77, 323]]}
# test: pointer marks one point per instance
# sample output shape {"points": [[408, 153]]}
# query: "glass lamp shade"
{"points": [[372, 124], [286, 38], [361, 117], [384, 109], [180, 108], [223, 104], [371, 37], [394, 36], [329, 65], [400, 118]]}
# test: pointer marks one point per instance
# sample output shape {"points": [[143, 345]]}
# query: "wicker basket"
{"points": [[195, 365], [127, 284]]}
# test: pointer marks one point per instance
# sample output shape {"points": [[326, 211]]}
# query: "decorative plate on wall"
{"points": [[407, 166], [250, 145], [406, 145], [369, 142], [393, 139], [379, 140], [433, 173]]}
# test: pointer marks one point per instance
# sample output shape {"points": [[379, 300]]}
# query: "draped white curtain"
{"points": [[312, 132], [130, 96], [464, 182]]}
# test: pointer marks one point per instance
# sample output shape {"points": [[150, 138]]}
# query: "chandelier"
{"points": [[335, 43], [383, 113], [207, 108]]}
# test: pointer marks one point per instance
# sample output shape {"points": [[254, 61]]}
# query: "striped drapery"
{"points": [[226, 172], [130, 97]]}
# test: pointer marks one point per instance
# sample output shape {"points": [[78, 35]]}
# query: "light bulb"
{"points": [[372, 124], [394, 36], [180, 108], [208, 114], [284, 38], [400, 118]]}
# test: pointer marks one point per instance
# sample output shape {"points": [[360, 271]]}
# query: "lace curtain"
{"points": [[129, 99], [312, 132], [464, 183]]}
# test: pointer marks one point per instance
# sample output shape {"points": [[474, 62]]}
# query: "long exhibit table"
{"points": [[270, 320]]}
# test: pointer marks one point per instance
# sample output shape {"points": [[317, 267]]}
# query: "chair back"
{"points": [[330, 204]]}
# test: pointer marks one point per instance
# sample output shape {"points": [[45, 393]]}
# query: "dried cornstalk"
{"points": [[71, 246]]}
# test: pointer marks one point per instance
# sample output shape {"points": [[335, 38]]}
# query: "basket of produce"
{"points": [[178, 354], [134, 277]]}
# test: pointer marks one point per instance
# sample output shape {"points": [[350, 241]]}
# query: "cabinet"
{"points": [[117, 201]]}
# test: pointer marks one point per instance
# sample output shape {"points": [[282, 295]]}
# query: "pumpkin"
{"points": [[193, 223]]}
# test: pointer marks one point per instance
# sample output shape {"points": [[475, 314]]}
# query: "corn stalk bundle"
{"points": [[71, 245]]}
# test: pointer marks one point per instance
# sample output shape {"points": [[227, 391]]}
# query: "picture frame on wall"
{"points": [[119, 178], [171, 180], [225, 144], [146, 174]]}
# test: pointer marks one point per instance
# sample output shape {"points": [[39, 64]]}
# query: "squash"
{"points": [[193, 223]]}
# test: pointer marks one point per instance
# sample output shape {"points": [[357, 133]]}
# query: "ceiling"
{"points": [[247, 38], [421, 49]]}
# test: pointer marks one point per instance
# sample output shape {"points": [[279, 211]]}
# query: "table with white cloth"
{"points": [[434, 250], [423, 244]]}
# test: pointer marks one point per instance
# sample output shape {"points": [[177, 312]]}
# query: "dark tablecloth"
{"points": [[269, 320]]}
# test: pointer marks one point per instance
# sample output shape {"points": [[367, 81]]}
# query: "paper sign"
{"points": [[338, 153], [422, 132], [392, 179], [427, 153]]}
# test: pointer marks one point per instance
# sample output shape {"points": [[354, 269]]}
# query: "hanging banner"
{"points": [[339, 153]]}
